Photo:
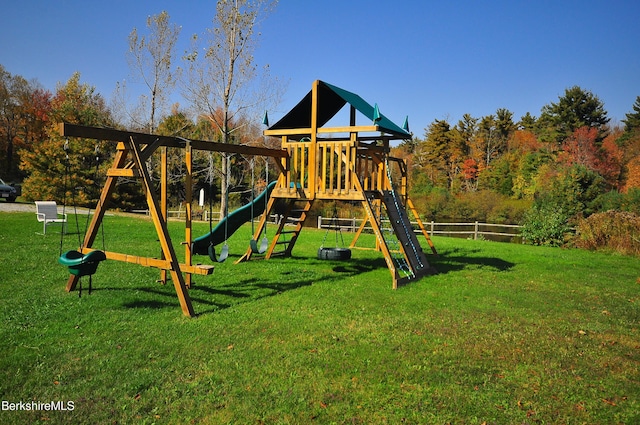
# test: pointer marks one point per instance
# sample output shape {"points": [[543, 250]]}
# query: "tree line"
{"points": [[544, 171]]}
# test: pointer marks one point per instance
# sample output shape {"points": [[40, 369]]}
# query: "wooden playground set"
{"points": [[316, 163]]}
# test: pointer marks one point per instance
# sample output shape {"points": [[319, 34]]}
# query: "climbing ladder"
{"points": [[296, 213]]}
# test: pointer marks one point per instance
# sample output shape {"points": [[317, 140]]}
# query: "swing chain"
{"points": [[335, 226]]}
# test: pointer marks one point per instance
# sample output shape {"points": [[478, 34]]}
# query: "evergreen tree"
{"points": [[434, 154], [528, 122], [577, 108], [632, 122], [487, 141], [504, 129]]}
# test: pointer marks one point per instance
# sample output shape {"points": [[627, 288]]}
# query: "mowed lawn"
{"points": [[504, 334]]}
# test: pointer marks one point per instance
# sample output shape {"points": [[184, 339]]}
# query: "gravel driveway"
{"points": [[17, 207], [31, 207]]}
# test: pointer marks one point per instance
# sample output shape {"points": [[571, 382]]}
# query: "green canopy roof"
{"points": [[330, 100]]}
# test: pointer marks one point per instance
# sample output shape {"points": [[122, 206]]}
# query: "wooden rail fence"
{"points": [[475, 230]]}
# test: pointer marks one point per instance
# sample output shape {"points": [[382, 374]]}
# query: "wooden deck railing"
{"points": [[337, 164]]}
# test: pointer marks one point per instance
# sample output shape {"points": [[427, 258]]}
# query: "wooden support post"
{"points": [[188, 235], [313, 146], [163, 234], [414, 211], [380, 242], [363, 224], [377, 230], [261, 224]]}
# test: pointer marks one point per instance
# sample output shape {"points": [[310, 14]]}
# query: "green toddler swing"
{"points": [[80, 264]]}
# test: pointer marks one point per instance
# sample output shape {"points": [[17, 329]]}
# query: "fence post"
{"points": [[475, 231], [319, 222], [432, 227]]}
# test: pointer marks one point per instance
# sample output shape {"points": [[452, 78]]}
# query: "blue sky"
{"points": [[425, 59]]}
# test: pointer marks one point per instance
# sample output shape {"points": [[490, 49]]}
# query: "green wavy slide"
{"points": [[232, 222]]}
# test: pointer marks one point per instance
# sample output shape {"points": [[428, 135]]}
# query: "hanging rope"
{"points": [[224, 253], [337, 253], [264, 245], [80, 264]]}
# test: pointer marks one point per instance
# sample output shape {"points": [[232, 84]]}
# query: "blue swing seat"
{"points": [[80, 264]]}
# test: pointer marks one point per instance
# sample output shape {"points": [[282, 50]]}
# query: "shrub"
{"points": [[631, 201], [546, 224], [473, 206], [509, 211], [617, 231], [433, 204]]}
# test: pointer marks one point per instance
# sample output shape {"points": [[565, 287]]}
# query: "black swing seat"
{"points": [[335, 254], [80, 264]]}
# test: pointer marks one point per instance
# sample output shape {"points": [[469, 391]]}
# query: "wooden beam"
{"points": [[109, 134], [200, 269], [122, 172], [313, 147], [349, 129], [288, 132]]}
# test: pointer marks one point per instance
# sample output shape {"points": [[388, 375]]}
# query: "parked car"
{"points": [[8, 192]]}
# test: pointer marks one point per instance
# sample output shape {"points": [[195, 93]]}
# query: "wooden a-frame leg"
{"points": [[165, 240], [377, 230]]}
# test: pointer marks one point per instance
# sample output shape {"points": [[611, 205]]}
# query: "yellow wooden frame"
{"points": [[132, 151]]}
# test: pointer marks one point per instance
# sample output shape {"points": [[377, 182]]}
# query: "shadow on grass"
{"points": [[457, 259], [167, 291], [257, 287], [220, 296]]}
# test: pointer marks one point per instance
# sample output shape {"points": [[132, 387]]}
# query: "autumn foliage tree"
{"points": [[63, 169], [580, 148], [24, 111]]}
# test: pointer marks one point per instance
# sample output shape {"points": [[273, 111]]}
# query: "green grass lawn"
{"points": [[504, 334]]}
